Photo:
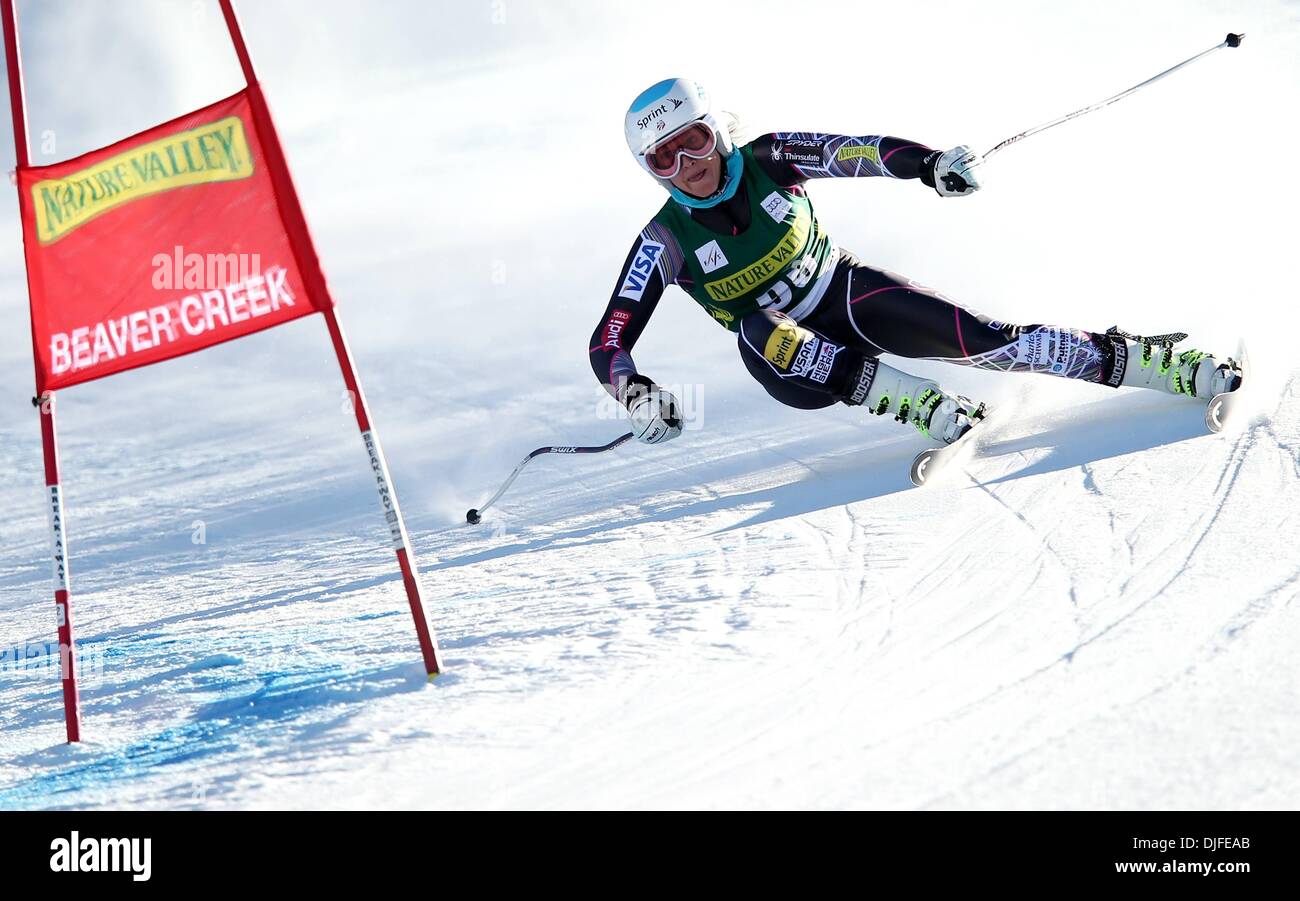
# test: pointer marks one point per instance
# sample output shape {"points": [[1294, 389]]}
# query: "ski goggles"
{"points": [[696, 140]]}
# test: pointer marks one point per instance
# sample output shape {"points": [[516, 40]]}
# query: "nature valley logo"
{"points": [[858, 152], [214, 152], [754, 276]]}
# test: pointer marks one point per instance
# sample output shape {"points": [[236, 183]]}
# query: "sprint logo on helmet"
{"points": [[660, 110], [663, 108], [638, 274]]}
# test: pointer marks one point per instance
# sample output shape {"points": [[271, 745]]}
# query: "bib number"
{"points": [[802, 271], [779, 296]]}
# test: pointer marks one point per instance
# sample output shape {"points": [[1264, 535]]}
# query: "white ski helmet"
{"points": [[664, 108]]}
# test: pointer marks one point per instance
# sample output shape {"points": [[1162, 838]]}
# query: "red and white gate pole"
{"points": [[45, 404], [309, 266]]}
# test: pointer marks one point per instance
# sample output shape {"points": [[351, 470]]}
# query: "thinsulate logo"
{"points": [[214, 152]]}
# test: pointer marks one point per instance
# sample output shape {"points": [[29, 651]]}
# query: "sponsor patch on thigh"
{"points": [[821, 370], [784, 343], [803, 362]]}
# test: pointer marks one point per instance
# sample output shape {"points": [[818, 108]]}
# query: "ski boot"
{"points": [[1150, 362], [882, 389]]}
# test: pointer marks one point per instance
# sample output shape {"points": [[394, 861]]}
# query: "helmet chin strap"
{"points": [[734, 167]]}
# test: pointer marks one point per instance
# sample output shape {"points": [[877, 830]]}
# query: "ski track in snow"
{"points": [[773, 621]]}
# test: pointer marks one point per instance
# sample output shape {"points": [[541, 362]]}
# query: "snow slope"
{"points": [[1099, 613]]}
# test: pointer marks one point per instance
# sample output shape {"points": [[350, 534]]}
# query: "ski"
{"points": [[929, 463], [1224, 408]]}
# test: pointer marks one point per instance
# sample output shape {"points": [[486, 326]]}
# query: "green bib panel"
{"points": [[776, 262]]}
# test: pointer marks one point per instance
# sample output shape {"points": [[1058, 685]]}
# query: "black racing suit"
{"points": [[864, 312]]}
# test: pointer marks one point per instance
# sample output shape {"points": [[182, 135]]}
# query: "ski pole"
{"points": [[475, 515], [1232, 40]]}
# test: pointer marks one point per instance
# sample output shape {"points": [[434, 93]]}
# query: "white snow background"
{"points": [[1100, 614]]}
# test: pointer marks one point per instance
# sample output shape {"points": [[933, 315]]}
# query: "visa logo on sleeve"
{"points": [[638, 274]]}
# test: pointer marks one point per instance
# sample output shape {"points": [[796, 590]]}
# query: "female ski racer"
{"points": [[739, 235]]}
